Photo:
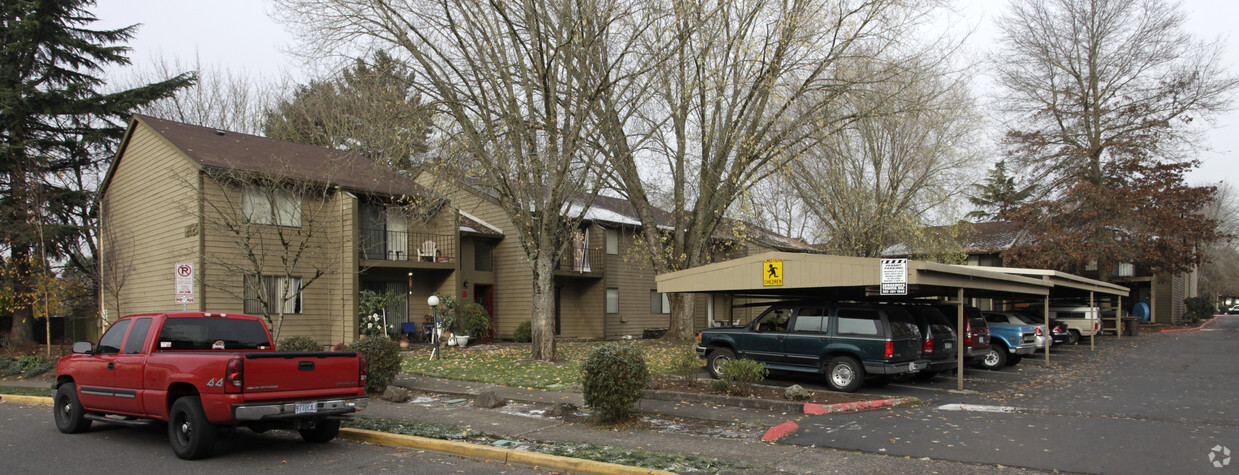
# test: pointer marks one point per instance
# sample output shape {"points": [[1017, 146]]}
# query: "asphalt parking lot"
{"points": [[1156, 403]]}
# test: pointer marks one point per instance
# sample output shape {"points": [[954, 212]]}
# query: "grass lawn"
{"points": [[509, 364]]}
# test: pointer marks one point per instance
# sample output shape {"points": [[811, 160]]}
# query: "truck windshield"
{"points": [[213, 334]]}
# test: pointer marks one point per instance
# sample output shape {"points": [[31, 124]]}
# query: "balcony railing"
{"points": [[387, 245], [581, 260]]}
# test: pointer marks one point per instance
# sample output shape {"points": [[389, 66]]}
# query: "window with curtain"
{"points": [[272, 286], [262, 205]]}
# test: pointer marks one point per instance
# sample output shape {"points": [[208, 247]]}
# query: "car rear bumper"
{"points": [[879, 368], [298, 409]]}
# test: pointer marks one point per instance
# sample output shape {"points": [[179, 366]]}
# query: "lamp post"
{"points": [[433, 301]]}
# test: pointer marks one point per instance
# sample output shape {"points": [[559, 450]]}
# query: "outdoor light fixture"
{"points": [[433, 301]]}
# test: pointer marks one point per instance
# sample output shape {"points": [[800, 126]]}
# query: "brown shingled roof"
{"points": [[222, 149]]}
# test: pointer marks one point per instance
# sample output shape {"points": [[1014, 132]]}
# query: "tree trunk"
{"points": [[543, 311], [22, 330], [682, 309]]}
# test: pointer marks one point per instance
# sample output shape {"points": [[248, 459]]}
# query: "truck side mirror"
{"points": [[83, 347]]}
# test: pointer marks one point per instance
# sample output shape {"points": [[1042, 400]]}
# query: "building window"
{"points": [[261, 205], [256, 295], [612, 300], [612, 241], [482, 257], [659, 303], [1126, 269]]}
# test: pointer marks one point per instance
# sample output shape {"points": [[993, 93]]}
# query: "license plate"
{"points": [[913, 367], [948, 345], [305, 408]]}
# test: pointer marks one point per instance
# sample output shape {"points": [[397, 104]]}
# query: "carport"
{"points": [[1071, 286], [782, 275]]}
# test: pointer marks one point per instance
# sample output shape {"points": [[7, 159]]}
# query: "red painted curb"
{"points": [[1202, 325], [777, 432], [819, 409]]}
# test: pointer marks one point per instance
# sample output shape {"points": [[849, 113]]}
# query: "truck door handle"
{"points": [[305, 366], [111, 365]]}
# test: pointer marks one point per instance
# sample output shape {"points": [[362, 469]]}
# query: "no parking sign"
{"points": [[184, 283]]}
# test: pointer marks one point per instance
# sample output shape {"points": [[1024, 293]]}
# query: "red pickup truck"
{"points": [[202, 371]]}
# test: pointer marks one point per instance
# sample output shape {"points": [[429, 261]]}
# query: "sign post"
{"points": [[894, 277], [184, 285]]}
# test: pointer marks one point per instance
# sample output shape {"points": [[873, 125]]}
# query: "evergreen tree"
{"points": [[57, 132], [998, 195]]}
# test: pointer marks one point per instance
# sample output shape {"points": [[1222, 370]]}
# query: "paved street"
{"points": [[1151, 404], [30, 443]]}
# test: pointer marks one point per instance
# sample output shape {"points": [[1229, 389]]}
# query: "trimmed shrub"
{"points": [[741, 374], [524, 332], [1199, 308], [297, 343], [612, 377], [32, 361], [685, 363], [475, 321], [39, 369], [11, 368], [382, 361]]}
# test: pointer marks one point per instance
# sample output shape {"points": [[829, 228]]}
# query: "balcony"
{"points": [[408, 247], [582, 262]]}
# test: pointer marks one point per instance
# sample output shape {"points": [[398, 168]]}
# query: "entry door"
{"points": [[397, 235]]}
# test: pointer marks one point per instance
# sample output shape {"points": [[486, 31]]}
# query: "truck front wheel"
{"points": [[323, 431], [191, 434], [68, 412], [717, 358]]}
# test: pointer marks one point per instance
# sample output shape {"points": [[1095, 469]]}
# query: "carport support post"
{"points": [[1092, 340], [1048, 331], [1118, 318], [959, 315]]}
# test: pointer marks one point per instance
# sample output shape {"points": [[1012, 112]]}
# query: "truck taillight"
{"points": [[361, 371], [928, 346], [890, 349], [234, 376]]}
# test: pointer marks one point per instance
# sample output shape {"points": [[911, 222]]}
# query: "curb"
{"points": [[1202, 325], [47, 401], [819, 409], [463, 449], [778, 432]]}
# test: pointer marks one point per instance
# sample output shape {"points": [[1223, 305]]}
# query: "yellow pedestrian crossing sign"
{"points": [[772, 272]]}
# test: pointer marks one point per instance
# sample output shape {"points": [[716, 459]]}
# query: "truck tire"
{"points": [[717, 358], [191, 434], [995, 359], [322, 432], [1074, 338], [67, 410], [844, 373]]}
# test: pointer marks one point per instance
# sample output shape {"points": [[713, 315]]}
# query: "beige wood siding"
{"points": [[149, 220]]}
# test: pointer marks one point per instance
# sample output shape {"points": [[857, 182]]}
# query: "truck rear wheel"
{"points": [[1074, 338], [844, 373], [323, 431], [67, 410], [995, 359], [191, 434]]}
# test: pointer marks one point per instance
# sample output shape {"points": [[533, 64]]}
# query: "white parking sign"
{"points": [[184, 283]]}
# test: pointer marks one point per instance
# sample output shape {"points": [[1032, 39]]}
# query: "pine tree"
{"points": [[57, 132], [997, 195]]}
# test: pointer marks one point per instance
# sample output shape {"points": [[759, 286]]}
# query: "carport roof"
{"points": [[843, 277], [1066, 285]]}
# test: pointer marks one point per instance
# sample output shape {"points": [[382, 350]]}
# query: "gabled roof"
{"points": [[213, 148], [472, 224]]}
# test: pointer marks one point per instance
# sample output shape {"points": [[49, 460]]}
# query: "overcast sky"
{"points": [[239, 35]]}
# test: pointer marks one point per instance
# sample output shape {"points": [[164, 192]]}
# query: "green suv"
{"points": [[845, 342]]}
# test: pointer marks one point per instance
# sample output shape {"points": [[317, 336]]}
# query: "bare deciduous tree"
{"points": [[221, 98], [1088, 80], [874, 182], [745, 87], [275, 227], [519, 82]]}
